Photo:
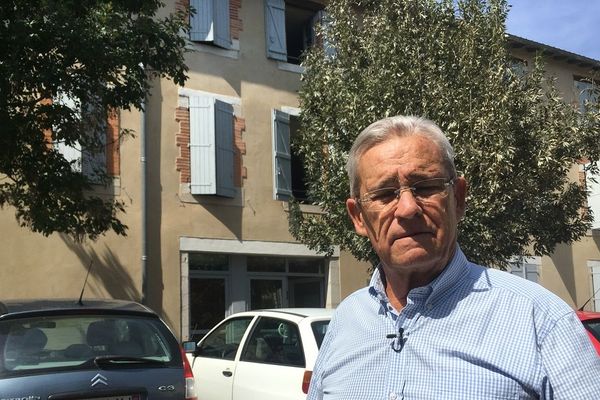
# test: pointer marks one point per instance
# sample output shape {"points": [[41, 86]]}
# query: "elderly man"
{"points": [[431, 324]]}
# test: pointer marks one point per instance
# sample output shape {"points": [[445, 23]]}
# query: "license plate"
{"points": [[124, 397]]}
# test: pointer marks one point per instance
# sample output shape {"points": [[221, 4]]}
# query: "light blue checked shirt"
{"points": [[472, 333]]}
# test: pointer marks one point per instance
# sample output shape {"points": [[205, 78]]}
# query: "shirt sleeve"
{"points": [[570, 361]]}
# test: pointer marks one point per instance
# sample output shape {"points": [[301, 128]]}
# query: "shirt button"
{"points": [[429, 306], [393, 396]]}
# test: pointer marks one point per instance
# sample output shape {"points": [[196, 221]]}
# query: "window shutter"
{"points": [[202, 145], [593, 189], [71, 153], [201, 23], [225, 152], [275, 29], [222, 36], [282, 155], [531, 272]]}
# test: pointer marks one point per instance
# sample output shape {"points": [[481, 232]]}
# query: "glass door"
{"points": [[266, 293]]}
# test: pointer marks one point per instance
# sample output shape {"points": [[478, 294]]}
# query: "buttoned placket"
{"points": [[418, 303]]}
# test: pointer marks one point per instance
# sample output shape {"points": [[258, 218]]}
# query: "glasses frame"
{"points": [[367, 198]]}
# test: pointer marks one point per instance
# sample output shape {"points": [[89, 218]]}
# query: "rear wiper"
{"points": [[124, 360]]}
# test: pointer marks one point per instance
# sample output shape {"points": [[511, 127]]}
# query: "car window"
{"points": [[593, 325], [319, 329], [72, 341], [275, 341], [225, 340]]}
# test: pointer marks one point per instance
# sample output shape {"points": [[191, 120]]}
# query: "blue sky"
{"points": [[572, 25]]}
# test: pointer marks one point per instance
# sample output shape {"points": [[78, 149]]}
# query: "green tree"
{"points": [[514, 136], [64, 65]]}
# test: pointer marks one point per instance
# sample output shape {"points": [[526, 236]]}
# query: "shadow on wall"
{"points": [[563, 260], [108, 272]]}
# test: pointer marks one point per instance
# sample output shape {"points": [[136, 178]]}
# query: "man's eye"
{"points": [[383, 195], [428, 189]]}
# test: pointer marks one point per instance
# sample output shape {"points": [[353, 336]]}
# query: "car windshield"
{"points": [[319, 329], [593, 325], [77, 341]]}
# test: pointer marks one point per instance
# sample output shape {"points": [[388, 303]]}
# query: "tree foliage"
{"points": [[100, 54], [516, 139]]}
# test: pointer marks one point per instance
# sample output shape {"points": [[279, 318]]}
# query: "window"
{"points": [[527, 268], [92, 160], [211, 147], [518, 66], [210, 22], [224, 342], [586, 91], [289, 176], [275, 341], [290, 28]]}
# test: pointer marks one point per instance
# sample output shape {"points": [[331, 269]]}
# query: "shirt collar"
{"points": [[453, 273]]}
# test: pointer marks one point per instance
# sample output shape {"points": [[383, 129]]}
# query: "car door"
{"points": [[213, 363], [272, 362]]}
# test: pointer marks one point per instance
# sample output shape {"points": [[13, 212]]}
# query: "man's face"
{"points": [[412, 235]]}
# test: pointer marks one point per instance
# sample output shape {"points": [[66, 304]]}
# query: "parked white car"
{"points": [[264, 354]]}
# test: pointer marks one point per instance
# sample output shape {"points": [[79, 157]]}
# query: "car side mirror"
{"points": [[189, 346]]}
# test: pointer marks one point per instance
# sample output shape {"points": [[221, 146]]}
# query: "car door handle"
{"points": [[227, 373]]}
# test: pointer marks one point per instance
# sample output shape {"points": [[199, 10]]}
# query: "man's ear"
{"points": [[460, 196], [354, 211]]}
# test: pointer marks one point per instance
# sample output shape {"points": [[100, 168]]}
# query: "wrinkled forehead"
{"points": [[403, 157]]}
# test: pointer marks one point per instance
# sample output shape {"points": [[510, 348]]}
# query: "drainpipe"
{"points": [[144, 212]]}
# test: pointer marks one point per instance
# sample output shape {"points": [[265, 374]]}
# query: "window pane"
{"points": [[275, 341], [208, 262], [306, 265], [265, 264], [224, 342], [207, 303], [319, 329], [72, 341], [266, 293]]}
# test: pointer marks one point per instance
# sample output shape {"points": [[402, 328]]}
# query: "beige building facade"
{"points": [[206, 181]]}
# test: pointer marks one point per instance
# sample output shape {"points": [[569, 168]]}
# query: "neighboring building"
{"points": [[218, 172]]}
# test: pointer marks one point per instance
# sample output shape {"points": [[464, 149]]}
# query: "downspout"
{"points": [[144, 212]]}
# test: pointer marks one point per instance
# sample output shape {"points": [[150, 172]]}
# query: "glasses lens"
{"points": [[429, 188]]}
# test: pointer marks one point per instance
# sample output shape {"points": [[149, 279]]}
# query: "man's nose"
{"points": [[407, 205]]}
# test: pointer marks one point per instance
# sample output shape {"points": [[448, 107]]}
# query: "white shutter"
{"points": [[275, 29], [202, 145], [224, 148], [282, 155], [593, 189], [71, 153], [222, 36], [201, 23]]}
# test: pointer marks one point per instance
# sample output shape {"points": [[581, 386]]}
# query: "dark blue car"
{"points": [[90, 349]]}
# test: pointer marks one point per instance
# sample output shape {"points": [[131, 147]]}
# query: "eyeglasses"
{"points": [[425, 191]]}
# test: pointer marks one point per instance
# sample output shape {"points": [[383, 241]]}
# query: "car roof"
{"points": [[303, 312], [585, 315], [75, 306]]}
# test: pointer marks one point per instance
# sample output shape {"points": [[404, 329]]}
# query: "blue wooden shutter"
{"points": [[202, 145], [222, 36], [275, 29], [93, 161], [201, 23], [225, 151], [282, 155]]}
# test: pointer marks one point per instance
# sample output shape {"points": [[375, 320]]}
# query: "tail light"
{"points": [[306, 381], [190, 390]]}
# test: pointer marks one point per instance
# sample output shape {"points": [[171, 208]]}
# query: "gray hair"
{"points": [[400, 126]]}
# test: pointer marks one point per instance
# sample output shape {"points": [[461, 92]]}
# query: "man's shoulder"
{"points": [[512, 287]]}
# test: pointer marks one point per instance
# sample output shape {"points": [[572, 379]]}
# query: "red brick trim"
{"points": [[182, 139], [113, 144]]}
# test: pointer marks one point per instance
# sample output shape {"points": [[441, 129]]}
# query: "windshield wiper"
{"points": [[124, 360]]}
